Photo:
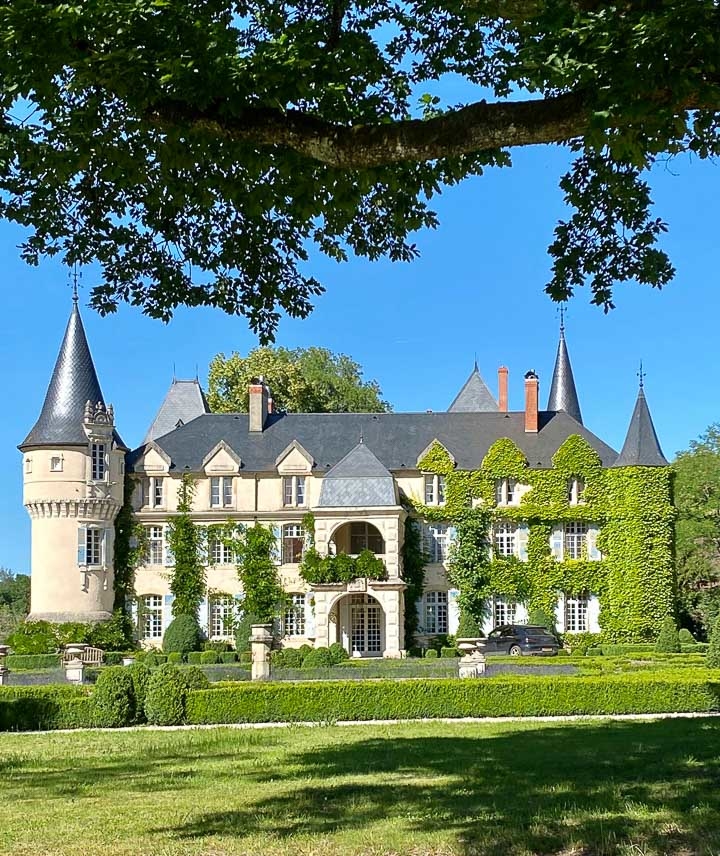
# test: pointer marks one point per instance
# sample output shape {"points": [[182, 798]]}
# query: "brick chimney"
{"points": [[258, 409], [503, 389], [531, 402]]}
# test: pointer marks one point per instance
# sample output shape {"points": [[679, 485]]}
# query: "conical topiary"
{"points": [[668, 642], [468, 627], [713, 654]]}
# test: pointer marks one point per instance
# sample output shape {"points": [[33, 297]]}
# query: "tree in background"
{"points": [[14, 600], [199, 150], [304, 380], [697, 529]]}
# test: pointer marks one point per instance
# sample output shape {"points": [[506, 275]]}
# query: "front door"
{"points": [[365, 626]]}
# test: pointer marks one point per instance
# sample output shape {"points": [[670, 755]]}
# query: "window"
{"points": [[152, 492], [93, 546], [294, 617], [157, 495], [155, 545], [576, 613], [293, 541], [122, 466], [575, 539], [221, 491], [294, 490], [436, 612], [56, 464], [152, 615], [97, 461], [575, 490], [504, 611], [506, 491], [220, 553], [364, 536], [28, 465], [434, 489], [504, 534], [436, 541], [221, 616]]}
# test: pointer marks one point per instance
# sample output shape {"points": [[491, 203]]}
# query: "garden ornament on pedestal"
{"points": [[261, 640], [472, 662]]}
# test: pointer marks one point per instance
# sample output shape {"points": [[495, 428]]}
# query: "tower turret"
{"points": [[641, 447], [563, 395], [73, 471]]}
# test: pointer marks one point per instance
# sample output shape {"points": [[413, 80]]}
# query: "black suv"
{"points": [[517, 639]]}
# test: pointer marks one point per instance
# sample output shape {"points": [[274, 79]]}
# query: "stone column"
{"points": [[4, 671], [260, 643]]}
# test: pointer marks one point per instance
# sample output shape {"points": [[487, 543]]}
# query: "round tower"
{"points": [[73, 472]]}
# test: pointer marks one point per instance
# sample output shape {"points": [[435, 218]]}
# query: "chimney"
{"points": [[258, 408], [531, 402], [503, 389]]}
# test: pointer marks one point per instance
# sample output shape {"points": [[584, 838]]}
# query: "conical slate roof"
{"points": [[474, 397], [184, 402], [359, 479], [563, 395], [641, 447], [74, 382]]}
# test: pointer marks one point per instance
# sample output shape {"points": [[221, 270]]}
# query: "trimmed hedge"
{"points": [[40, 708], [16, 662], [194, 658], [449, 653], [676, 691]]}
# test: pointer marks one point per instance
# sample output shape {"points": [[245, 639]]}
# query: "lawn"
{"points": [[630, 788]]}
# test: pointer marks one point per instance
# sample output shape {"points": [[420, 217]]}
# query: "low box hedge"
{"points": [[673, 691], [31, 662], [43, 707]]}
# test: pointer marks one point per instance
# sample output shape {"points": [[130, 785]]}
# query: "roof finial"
{"points": [[475, 364], [174, 380], [361, 436], [641, 375], [75, 276], [562, 311]]}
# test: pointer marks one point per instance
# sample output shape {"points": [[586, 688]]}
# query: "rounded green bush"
{"points": [[318, 658], [195, 678], [431, 654], [338, 653], [209, 658], [685, 636], [165, 699], [183, 635], [668, 641], [468, 627], [287, 658], [194, 658], [228, 657], [305, 649], [175, 658], [114, 697], [140, 674], [713, 654]]}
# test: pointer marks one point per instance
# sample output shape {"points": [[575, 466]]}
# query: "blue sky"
{"points": [[416, 328]]}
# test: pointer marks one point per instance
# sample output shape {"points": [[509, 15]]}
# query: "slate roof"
{"points": [[184, 401], [396, 439], [474, 397], [359, 479], [641, 447], [74, 382], [563, 395]]}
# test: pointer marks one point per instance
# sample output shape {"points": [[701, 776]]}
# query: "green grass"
{"points": [[586, 789]]}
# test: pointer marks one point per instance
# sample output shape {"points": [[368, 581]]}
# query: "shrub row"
{"points": [[39, 708], [642, 648], [306, 657], [540, 695], [32, 661]]}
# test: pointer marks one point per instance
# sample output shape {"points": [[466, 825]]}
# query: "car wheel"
{"points": [[515, 651]]}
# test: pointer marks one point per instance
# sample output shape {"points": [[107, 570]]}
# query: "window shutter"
{"points": [[560, 613], [592, 547], [453, 611], [309, 615], [82, 546], [104, 548], [420, 609], [167, 615], [169, 559], [522, 541], [556, 543], [204, 615], [276, 553]]}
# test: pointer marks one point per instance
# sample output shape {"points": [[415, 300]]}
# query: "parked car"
{"points": [[517, 639]]}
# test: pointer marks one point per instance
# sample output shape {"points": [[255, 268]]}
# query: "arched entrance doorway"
{"points": [[360, 625]]}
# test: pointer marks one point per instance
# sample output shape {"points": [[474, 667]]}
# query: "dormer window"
{"points": [[506, 491], [152, 492], [434, 489], [98, 462], [221, 491], [575, 490]]}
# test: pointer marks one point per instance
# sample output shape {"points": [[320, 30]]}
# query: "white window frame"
{"points": [[157, 492], [506, 491], [504, 611], [505, 540], [436, 542], [434, 488], [56, 463], [221, 615], [220, 553], [575, 533], [28, 465], [153, 492], [152, 616], [98, 461], [290, 534], [576, 612], [369, 533], [156, 545], [294, 493], [294, 615], [94, 546], [435, 612], [223, 496], [576, 489]]}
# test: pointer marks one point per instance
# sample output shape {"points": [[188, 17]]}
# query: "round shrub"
{"points": [[288, 658], [713, 654], [668, 641], [114, 697], [140, 674], [468, 627], [175, 658], [195, 678], [194, 658], [685, 636], [338, 653], [431, 654], [318, 658], [305, 649], [165, 699], [243, 629], [209, 658], [183, 635], [153, 658], [228, 657]]}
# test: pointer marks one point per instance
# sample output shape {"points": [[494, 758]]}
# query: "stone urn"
{"points": [[472, 662]]}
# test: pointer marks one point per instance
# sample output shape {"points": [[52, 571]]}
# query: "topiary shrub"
{"points": [[228, 657], [195, 678], [468, 627], [713, 655], [154, 658], [668, 641], [338, 653], [194, 658], [318, 658], [431, 654], [540, 618], [685, 636], [449, 653], [165, 698], [183, 635], [140, 674], [305, 649], [209, 658], [175, 658], [243, 629], [114, 697]]}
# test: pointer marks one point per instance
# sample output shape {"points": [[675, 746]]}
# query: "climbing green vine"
{"points": [[413, 573], [342, 568], [185, 539]]}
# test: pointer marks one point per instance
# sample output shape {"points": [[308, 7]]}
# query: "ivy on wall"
{"points": [[341, 568], [631, 505], [185, 539], [413, 564]]}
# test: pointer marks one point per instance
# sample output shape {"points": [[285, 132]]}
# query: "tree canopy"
{"points": [[200, 150], [697, 530], [304, 380]]}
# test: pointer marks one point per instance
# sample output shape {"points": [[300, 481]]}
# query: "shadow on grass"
{"points": [[612, 788]]}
